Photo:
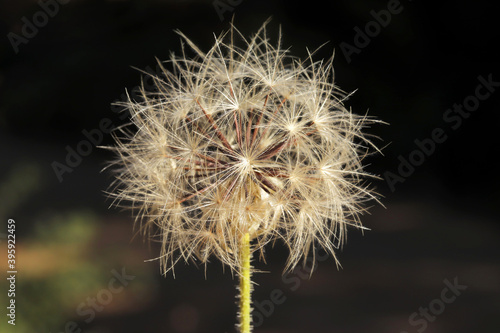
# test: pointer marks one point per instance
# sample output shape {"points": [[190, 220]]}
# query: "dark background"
{"points": [[440, 223]]}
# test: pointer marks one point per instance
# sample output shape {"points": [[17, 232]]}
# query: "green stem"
{"points": [[245, 286]]}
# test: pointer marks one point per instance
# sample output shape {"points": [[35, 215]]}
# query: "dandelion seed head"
{"points": [[242, 139]]}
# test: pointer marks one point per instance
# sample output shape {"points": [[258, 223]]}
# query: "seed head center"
{"points": [[246, 162]]}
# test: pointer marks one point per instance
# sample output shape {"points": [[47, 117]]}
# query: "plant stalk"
{"points": [[245, 286]]}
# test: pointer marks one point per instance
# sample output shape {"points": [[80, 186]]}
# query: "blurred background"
{"points": [[429, 70]]}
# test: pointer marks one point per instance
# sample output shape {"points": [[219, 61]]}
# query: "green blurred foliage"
{"points": [[58, 271], [23, 179]]}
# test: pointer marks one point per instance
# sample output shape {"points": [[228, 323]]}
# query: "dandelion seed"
{"points": [[238, 147]]}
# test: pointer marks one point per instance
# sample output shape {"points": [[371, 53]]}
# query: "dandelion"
{"points": [[238, 147]]}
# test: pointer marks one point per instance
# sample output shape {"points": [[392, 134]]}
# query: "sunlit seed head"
{"points": [[243, 139]]}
